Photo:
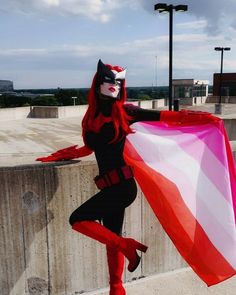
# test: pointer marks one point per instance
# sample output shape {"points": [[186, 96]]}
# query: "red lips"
{"points": [[112, 89]]}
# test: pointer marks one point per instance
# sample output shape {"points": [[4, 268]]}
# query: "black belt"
{"points": [[114, 177]]}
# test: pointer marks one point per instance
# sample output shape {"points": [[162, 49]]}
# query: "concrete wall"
{"points": [[72, 111], [57, 112], [44, 112], [145, 104], [191, 101], [198, 100], [152, 104], [14, 113], [159, 103], [61, 112], [40, 254], [224, 99], [186, 101], [230, 127], [233, 148]]}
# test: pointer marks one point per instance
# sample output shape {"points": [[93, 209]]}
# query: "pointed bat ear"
{"points": [[121, 75], [103, 70], [100, 66]]}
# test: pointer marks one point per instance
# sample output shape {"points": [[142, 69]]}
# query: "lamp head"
{"points": [[161, 7], [181, 8], [222, 48]]}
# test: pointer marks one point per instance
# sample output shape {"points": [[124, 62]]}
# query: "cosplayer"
{"points": [[105, 127]]}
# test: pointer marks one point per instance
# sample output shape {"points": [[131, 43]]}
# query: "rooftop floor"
{"points": [[22, 141]]}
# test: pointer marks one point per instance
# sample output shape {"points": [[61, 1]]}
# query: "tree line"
{"points": [[67, 97]]}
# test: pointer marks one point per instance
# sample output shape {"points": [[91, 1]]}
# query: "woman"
{"points": [[105, 127]]}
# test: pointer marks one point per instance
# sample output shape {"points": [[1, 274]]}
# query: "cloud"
{"points": [[193, 49], [217, 13], [97, 10], [193, 25], [193, 56]]}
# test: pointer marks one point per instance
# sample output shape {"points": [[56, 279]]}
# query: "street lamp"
{"points": [[163, 7], [74, 98], [222, 49]]}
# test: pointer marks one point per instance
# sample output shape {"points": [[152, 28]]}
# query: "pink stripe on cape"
{"points": [[188, 176]]}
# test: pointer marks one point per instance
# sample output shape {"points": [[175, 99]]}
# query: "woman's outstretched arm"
{"points": [[182, 117], [69, 153], [139, 114]]}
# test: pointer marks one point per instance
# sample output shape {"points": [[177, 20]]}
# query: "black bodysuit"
{"points": [[109, 204]]}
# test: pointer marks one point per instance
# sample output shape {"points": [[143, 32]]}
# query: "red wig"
{"points": [[93, 119]]}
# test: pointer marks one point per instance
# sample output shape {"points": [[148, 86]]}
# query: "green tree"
{"points": [[44, 101], [12, 101], [143, 96], [64, 96]]}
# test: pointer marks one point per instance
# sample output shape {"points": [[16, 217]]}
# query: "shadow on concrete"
{"points": [[25, 193]]}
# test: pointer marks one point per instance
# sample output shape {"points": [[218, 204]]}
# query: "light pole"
{"points": [[163, 7], [156, 75], [218, 107], [74, 98]]}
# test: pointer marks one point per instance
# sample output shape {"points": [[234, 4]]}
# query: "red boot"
{"points": [[115, 261], [100, 233]]}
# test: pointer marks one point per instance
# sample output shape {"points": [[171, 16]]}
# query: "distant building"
{"points": [[6, 85], [190, 91], [228, 84]]}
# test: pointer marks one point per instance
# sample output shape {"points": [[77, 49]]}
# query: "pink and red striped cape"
{"points": [[188, 176]]}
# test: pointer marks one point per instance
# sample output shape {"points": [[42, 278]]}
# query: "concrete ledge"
{"points": [[230, 127], [44, 112], [7, 114], [224, 99], [38, 249], [57, 112], [178, 282], [233, 147]]}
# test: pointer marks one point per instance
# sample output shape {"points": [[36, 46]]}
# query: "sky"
{"points": [[57, 43]]}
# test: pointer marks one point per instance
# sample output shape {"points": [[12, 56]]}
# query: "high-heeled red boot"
{"points": [[100, 233], [115, 260]]}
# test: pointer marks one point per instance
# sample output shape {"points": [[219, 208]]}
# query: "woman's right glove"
{"points": [[69, 153], [186, 117]]}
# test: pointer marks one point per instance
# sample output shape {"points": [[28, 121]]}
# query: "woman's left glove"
{"points": [[69, 153]]}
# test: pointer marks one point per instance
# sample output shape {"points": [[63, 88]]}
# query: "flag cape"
{"points": [[187, 174]]}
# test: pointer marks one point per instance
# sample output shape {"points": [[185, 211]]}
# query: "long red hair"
{"points": [[93, 119]]}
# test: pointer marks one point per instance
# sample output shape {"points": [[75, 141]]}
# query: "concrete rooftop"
{"points": [[23, 140]]}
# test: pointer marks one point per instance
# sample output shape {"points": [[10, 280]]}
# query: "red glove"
{"points": [[186, 117], [68, 153]]}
